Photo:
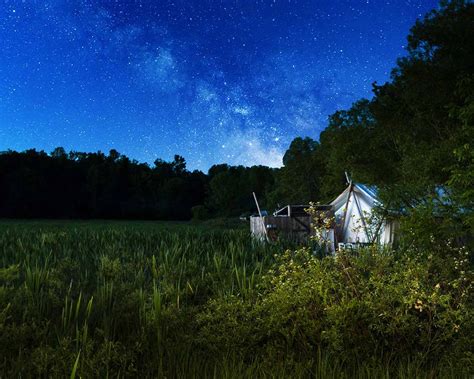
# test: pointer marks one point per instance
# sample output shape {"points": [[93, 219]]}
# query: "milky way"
{"points": [[214, 81]]}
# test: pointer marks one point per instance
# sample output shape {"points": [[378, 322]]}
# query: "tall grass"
{"points": [[85, 283], [120, 300]]}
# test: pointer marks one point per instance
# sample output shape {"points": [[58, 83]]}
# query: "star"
{"points": [[233, 83]]}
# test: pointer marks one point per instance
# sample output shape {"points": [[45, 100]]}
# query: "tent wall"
{"points": [[390, 232], [354, 223]]}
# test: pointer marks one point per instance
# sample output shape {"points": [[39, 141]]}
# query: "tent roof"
{"points": [[371, 191], [364, 189]]}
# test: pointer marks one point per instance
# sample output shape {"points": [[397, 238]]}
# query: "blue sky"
{"points": [[214, 81]]}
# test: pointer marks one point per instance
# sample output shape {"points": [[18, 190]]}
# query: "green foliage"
{"points": [[174, 300], [200, 212], [230, 188], [114, 299], [299, 180], [462, 171], [367, 306]]}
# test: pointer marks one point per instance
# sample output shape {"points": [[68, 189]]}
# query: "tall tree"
{"points": [[299, 180]]}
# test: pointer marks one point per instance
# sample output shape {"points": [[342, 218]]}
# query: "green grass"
{"points": [[121, 299], [92, 284], [65, 224]]}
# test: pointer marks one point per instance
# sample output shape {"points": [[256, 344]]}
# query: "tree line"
{"points": [[34, 184], [414, 136]]}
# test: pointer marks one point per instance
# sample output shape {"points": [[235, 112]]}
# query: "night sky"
{"points": [[214, 81]]}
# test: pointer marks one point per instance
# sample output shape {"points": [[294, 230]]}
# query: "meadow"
{"points": [[122, 299]]}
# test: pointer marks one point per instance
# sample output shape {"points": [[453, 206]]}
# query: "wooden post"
{"points": [[345, 210], [261, 217], [349, 181]]}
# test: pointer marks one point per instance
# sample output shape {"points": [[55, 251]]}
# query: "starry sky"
{"points": [[214, 81]]}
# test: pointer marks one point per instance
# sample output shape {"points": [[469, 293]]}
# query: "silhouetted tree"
{"points": [[61, 185]]}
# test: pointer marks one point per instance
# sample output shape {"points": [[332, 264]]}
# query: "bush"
{"points": [[199, 213], [357, 306]]}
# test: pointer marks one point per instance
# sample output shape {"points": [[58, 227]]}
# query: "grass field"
{"points": [[67, 283], [121, 299]]}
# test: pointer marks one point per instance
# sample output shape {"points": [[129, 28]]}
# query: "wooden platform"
{"points": [[294, 228]]}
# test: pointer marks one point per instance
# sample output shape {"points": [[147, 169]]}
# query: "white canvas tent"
{"points": [[356, 221]]}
